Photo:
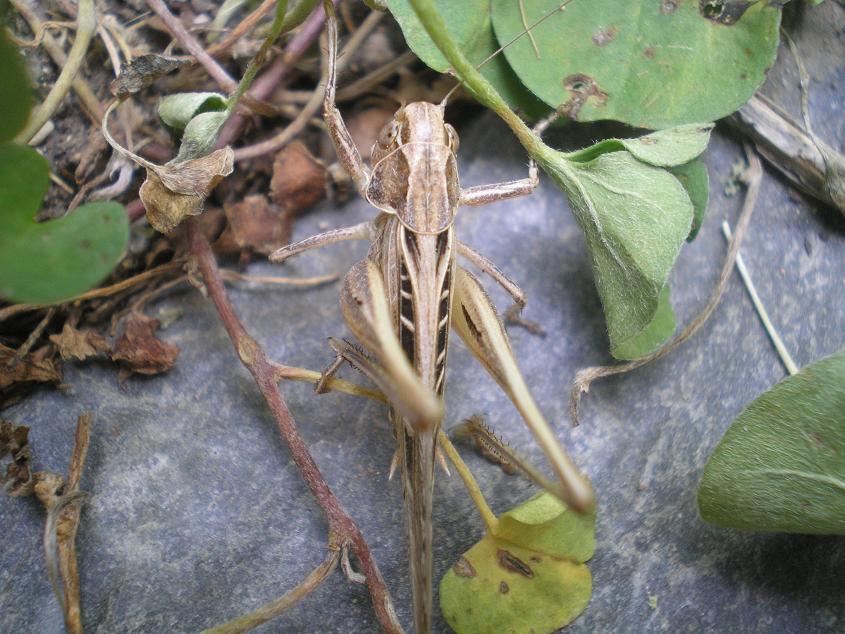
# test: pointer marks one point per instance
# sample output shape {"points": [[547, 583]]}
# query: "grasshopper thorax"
{"points": [[414, 173]]}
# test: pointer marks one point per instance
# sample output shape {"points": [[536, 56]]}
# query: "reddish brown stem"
{"points": [[341, 525]]}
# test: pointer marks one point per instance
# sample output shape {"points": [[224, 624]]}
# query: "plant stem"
{"points": [[490, 519], [80, 87], [285, 602], [780, 347], [86, 27], [263, 372]]}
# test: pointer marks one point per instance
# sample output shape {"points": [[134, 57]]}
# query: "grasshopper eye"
{"points": [[454, 142], [388, 134]]}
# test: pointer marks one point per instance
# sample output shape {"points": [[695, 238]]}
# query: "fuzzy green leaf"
{"points": [[660, 328], [695, 179], [635, 218], [650, 64], [664, 148], [470, 25], [176, 111], [528, 577], [54, 260], [15, 95], [200, 135], [781, 464]]}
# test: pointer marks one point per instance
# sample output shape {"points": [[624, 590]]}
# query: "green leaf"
{"points": [[176, 111], [647, 63], [664, 148], [200, 135], [660, 328], [528, 577], [545, 524], [695, 179], [781, 464], [635, 218], [471, 27], [54, 260], [16, 95]]}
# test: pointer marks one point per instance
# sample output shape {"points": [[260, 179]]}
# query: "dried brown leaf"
{"points": [[37, 366], [14, 442], [79, 344], [142, 72], [139, 351], [299, 179], [256, 224], [177, 190]]}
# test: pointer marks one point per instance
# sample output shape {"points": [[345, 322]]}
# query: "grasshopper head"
{"points": [[415, 174]]}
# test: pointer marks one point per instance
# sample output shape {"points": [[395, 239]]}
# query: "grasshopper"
{"points": [[402, 300]]}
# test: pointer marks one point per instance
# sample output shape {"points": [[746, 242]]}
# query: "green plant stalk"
{"points": [[300, 11], [86, 27], [258, 60]]}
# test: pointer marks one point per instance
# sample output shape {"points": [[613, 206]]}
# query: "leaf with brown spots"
{"points": [[79, 344], [528, 575], [37, 366], [256, 224], [142, 72], [139, 351]]}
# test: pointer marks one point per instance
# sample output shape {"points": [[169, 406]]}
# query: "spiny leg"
{"points": [[485, 194], [493, 271], [475, 320]]}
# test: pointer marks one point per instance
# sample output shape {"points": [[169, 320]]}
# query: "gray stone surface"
{"points": [[197, 513]]}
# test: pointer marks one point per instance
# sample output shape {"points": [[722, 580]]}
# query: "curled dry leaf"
{"points": [[299, 179], [256, 224], [139, 351], [37, 366], [142, 72], [14, 442], [176, 190], [79, 344]]}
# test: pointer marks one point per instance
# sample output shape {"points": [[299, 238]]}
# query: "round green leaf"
{"points": [[781, 464], [471, 27], [15, 95], [55, 260], [647, 63]]}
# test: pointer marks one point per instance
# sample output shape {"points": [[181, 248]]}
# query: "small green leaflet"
{"points": [[54, 260], [695, 179], [15, 96], [527, 577], [781, 464]]}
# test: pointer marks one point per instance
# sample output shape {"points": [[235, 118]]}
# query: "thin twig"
{"points": [[753, 177], [104, 291], [296, 126], [86, 27], [782, 351], [285, 602], [33, 337], [341, 525]]}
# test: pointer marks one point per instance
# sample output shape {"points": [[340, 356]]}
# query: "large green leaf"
{"points": [[54, 260], [527, 577], [471, 27], [781, 464], [635, 218], [648, 63], [15, 94]]}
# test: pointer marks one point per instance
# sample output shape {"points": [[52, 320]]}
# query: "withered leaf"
{"points": [[14, 442], [79, 344], [142, 72], [139, 351], [299, 179], [37, 366], [176, 190], [256, 224]]}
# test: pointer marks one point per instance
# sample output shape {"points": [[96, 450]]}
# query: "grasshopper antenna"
{"points": [[527, 31]]}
